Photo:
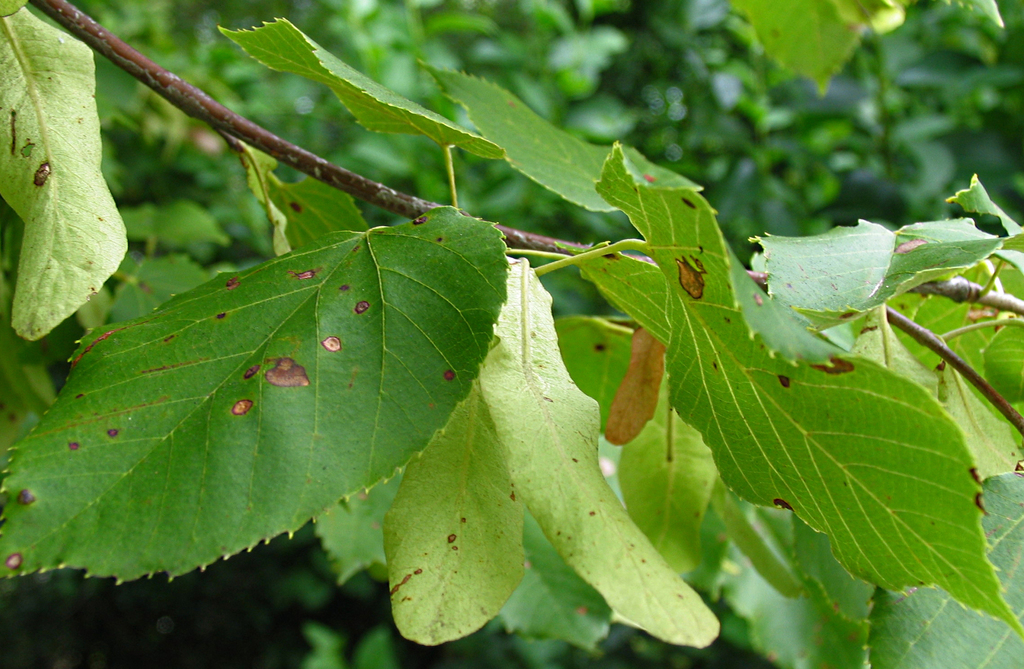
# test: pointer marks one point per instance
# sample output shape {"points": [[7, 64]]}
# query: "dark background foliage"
{"points": [[913, 115]]}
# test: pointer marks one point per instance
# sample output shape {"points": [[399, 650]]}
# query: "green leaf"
{"points": [[176, 224], [923, 628], [550, 156], [877, 341], [986, 7], [152, 282], [74, 238], [1004, 363], [454, 536], [809, 37], [756, 541], [352, 532], [549, 430], [834, 443], [882, 15], [847, 595], [281, 46], [552, 601], [596, 354], [796, 633], [976, 199], [25, 386], [667, 474], [242, 408], [845, 272], [8, 7]]}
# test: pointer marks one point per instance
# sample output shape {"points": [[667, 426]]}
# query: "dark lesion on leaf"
{"points": [[286, 373], [306, 274], [691, 276], [232, 283], [42, 174], [838, 366], [241, 407], [910, 245], [779, 502]]}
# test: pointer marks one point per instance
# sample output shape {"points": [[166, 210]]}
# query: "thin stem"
{"points": [[448, 165], [538, 254], [953, 334], [932, 342], [624, 245], [992, 279]]}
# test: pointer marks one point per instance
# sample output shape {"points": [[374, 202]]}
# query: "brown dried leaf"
{"points": [[637, 397]]}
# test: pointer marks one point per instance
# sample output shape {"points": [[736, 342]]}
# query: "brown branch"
{"points": [[197, 104], [960, 289], [934, 343]]}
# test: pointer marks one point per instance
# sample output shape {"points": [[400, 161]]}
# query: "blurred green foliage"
{"points": [[913, 115]]}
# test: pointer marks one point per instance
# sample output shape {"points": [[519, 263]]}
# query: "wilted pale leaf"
{"points": [[74, 238], [549, 430], [454, 535], [637, 396]]}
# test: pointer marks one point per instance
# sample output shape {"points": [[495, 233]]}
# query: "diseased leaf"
{"points": [[1004, 363], [809, 37], [552, 601], [596, 354], [74, 238], [837, 276], [244, 407], [637, 397], [281, 46], [666, 474], [550, 156], [924, 628], [833, 442], [352, 531], [454, 536], [549, 430]]}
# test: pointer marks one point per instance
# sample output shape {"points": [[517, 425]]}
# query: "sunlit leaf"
{"points": [[550, 156], [74, 238], [976, 200], [258, 169], [833, 443], [549, 430], [924, 628], [282, 46], [454, 535], [244, 407], [839, 275]]}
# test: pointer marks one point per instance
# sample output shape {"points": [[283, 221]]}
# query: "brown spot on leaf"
{"points": [[399, 585], [418, 572], [941, 367], [93, 343], [112, 432], [232, 283], [26, 497], [910, 245], [778, 501], [286, 373], [691, 276], [449, 375], [222, 314], [251, 372], [512, 496], [73, 445], [42, 174], [758, 300], [169, 338], [79, 396], [784, 380], [241, 407], [1019, 467], [463, 520], [978, 503], [649, 178], [13, 561], [362, 306], [307, 274], [611, 256], [420, 220], [332, 344], [839, 366], [593, 513], [581, 610], [847, 315], [598, 347], [868, 328], [296, 207], [451, 538], [689, 204], [343, 288]]}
